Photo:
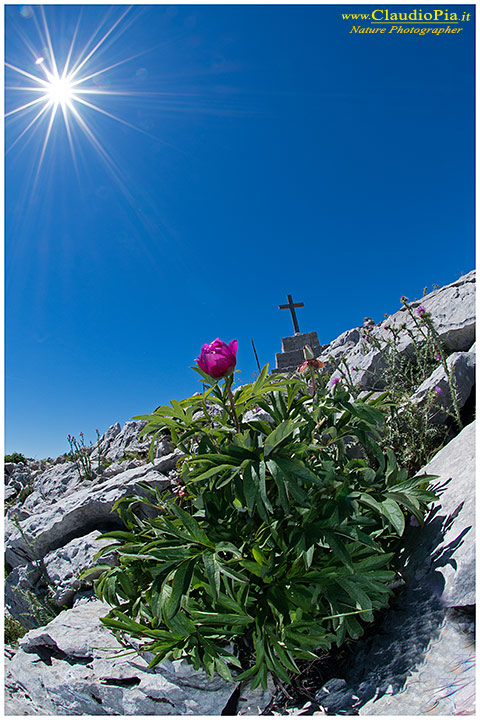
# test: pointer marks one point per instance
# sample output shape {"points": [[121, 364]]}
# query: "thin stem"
{"points": [[228, 383], [312, 375]]}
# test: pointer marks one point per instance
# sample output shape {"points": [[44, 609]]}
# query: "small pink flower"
{"points": [[312, 362], [421, 311], [439, 390], [334, 382], [218, 359], [438, 356]]}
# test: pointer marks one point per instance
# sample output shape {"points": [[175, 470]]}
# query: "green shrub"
{"points": [[15, 458], [408, 430], [276, 544], [13, 630], [133, 455]]}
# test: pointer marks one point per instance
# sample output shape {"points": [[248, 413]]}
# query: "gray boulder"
{"points": [[442, 682], [52, 484], [254, 702], [18, 476], [75, 666], [421, 658], [452, 309], [63, 566], [444, 559], [126, 440], [21, 587], [10, 492], [80, 512], [462, 368]]}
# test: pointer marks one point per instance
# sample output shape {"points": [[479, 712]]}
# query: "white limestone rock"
{"points": [[442, 684], [254, 702], [462, 368], [70, 667], [452, 309], [127, 440], [55, 482], [63, 566], [445, 556], [20, 583], [79, 512], [422, 660]]}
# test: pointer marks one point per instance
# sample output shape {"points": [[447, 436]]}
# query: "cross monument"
{"points": [[291, 306]]}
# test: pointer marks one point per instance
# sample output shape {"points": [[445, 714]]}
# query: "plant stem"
{"points": [[228, 385]]}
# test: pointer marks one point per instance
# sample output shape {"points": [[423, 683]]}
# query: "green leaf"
{"points": [[213, 572], [297, 469], [180, 586], [222, 669], [206, 378], [215, 457], [191, 524], [250, 487], [217, 470], [214, 618], [259, 470], [338, 547], [260, 380], [228, 547], [281, 432], [233, 574], [279, 480], [394, 515], [259, 556]]}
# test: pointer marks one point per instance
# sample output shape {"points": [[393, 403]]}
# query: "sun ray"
{"points": [[114, 117], [37, 117], [107, 34], [24, 107], [27, 74], [74, 37], [49, 41], [111, 165], [45, 142], [70, 139], [110, 67], [65, 82]]}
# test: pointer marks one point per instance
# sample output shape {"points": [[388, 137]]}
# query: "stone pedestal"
{"points": [[292, 351]]}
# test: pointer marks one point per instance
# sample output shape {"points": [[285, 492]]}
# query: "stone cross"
{"points": [[291, 306]]}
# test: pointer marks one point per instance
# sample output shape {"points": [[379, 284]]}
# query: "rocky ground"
{"points": [[418, 659]]}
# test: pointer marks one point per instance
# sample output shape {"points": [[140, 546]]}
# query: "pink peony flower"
{"points": [[218, 359]]}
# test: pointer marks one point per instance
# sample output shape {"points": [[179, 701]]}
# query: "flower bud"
{"points": [[218, 359]]}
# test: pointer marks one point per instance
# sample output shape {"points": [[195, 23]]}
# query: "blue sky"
{"points": [[257, 151]]}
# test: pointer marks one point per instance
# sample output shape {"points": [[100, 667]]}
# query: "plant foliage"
{"points": [[278, 543]]}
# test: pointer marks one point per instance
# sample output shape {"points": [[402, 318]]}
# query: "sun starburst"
{"points": [[60, 87]]}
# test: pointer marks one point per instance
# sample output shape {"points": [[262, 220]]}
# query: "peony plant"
{"points": [[280, 542]]}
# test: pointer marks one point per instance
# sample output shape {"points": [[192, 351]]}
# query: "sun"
{"points": [[65, 87], [60, 91]]}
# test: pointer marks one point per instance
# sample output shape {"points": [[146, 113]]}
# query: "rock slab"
{"points": [[72, 666]]}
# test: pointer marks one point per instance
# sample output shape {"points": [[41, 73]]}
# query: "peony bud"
{"points": [[218, 359]]}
